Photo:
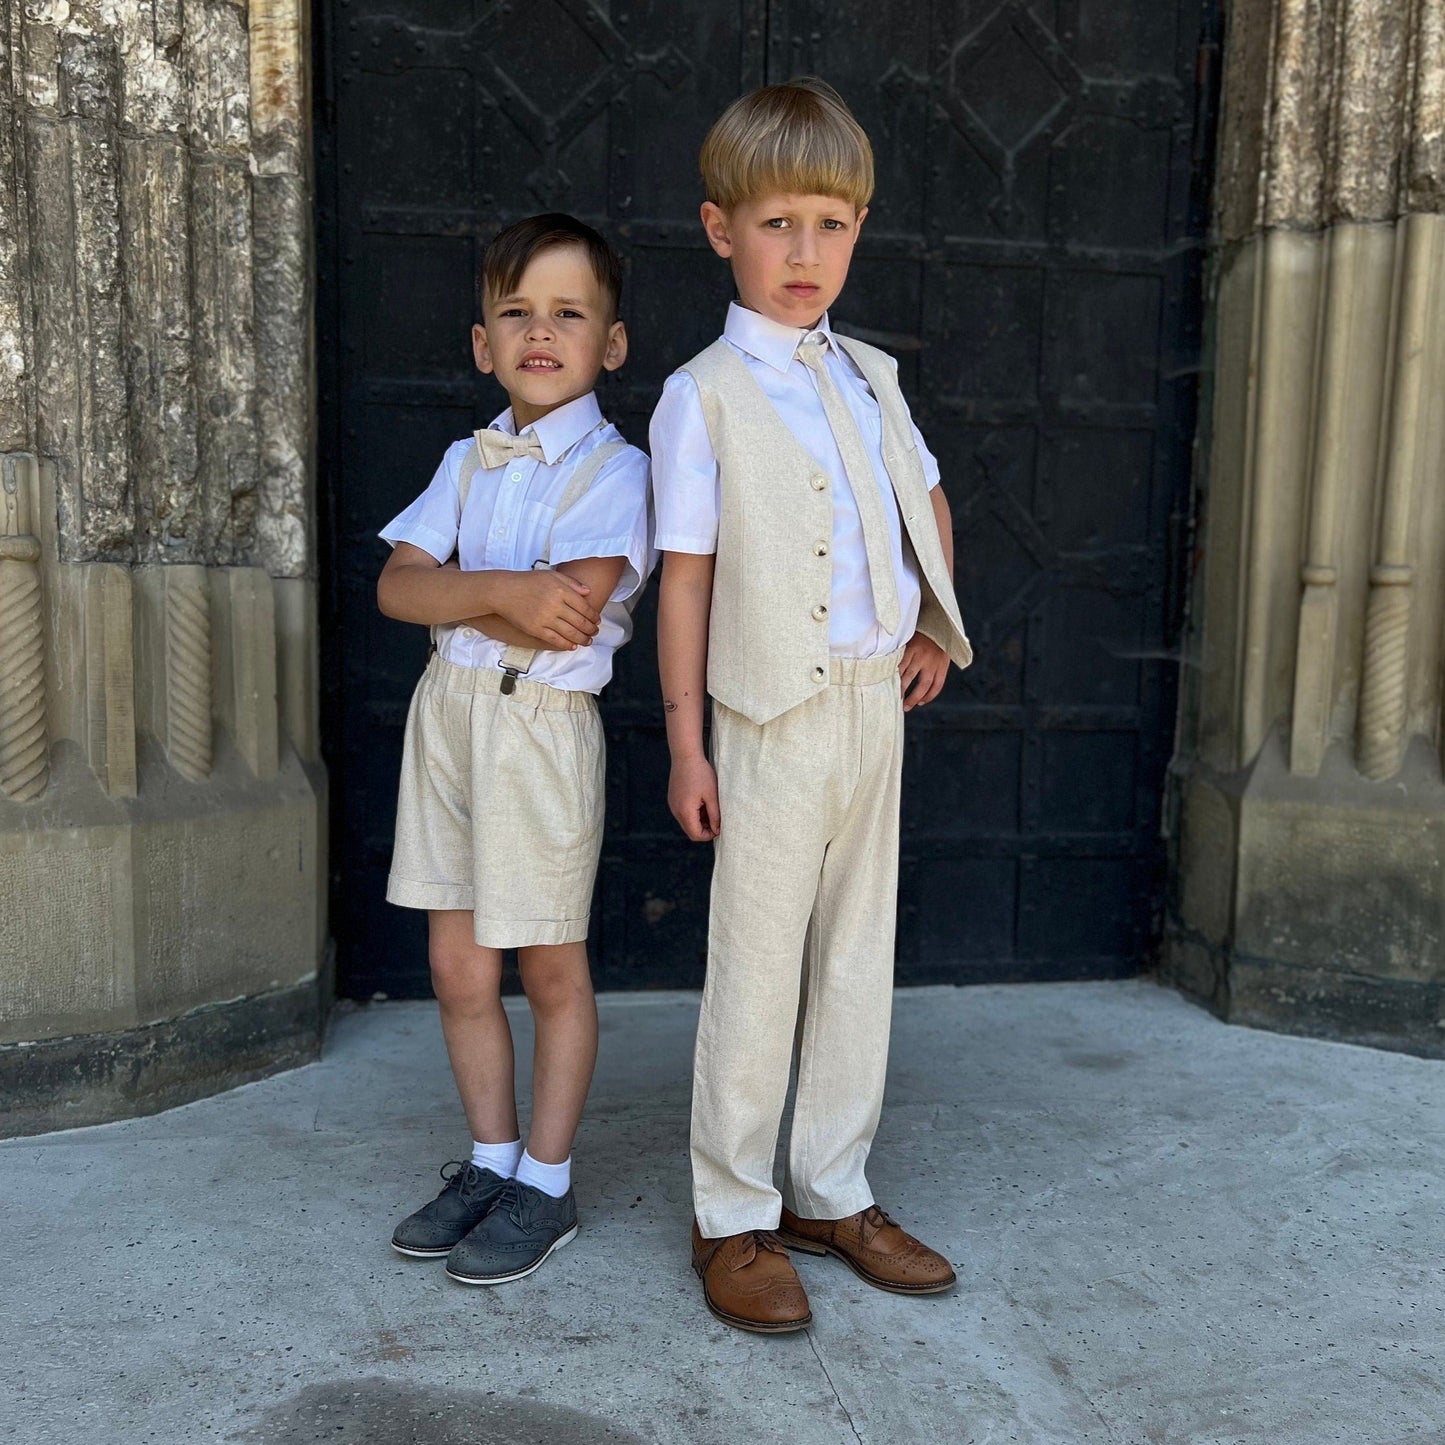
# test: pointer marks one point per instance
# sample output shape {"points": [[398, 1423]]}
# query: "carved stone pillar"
{"points": [[24, 751], [1309, 862], [173, 637], [161, 795]]}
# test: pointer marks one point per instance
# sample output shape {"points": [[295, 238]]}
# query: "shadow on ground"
{"points": [[385, 1412]]}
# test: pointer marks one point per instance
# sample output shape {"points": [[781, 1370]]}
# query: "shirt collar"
{"points": [[769, 341], [558, 430]]}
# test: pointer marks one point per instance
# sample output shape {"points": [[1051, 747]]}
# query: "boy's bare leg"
{"points": [[468, 985], [467, 980], [538, 1213], [559, 989]]}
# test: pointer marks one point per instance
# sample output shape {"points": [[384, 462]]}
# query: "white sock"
{"points": [[499, 1158], [553, 1179]]}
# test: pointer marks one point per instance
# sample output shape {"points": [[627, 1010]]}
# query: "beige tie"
{"points": [[497, 448], [864, 481]]}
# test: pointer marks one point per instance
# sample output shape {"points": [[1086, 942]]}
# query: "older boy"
{"points": [[499, 822], [807, 587]]}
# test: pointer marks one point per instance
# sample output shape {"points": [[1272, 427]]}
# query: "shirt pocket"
{"points": [[534, 529]]}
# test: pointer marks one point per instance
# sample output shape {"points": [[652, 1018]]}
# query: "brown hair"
{"points": [[513, 249], [798, 139]]}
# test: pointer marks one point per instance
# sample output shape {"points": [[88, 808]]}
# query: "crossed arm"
{"points": [[553, 610]]}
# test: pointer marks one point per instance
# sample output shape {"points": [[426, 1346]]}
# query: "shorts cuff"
{"points": [[410, 893], [527, 933]]}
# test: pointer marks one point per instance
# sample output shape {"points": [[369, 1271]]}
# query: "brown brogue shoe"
{"points": [[749, 1282], [873, 1246]]}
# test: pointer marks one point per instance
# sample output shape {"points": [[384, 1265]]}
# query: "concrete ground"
{"points": [[1167, 1231]]}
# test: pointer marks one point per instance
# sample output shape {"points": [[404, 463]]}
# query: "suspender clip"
{"points": [[509, 681]]}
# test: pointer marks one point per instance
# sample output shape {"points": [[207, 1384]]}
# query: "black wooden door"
{"points": [[1033, 258]]}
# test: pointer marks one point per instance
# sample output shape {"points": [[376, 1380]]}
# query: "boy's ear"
{"points": [[481, 352], [858, 224], [616, 352], [715, 223]]}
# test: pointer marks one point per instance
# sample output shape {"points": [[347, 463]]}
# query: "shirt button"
{"points": [[501, 531], [819, 612], [468, 632], [516, 477], [819, 673], [820, 549], [819, 482]]}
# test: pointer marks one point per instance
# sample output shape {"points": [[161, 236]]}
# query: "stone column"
{"points": [[1309, 863], [161, 795], [24, 754]]}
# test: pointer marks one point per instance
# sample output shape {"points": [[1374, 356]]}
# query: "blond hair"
{"points": [[797, 139]]}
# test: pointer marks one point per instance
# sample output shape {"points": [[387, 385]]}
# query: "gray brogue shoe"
{"points": [[469, 1196], [515, 1238]]}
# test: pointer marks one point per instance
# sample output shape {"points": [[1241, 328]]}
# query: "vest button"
{"points": [[819, 612], [818, 481], [820, 549]]}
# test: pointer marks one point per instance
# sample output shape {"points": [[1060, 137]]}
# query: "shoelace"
{"points": [[762, 1239], [465, 1179], [873, 1220], [515, 1203]]}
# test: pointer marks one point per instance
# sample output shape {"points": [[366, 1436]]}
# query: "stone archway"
{"points": [[161, 829]]}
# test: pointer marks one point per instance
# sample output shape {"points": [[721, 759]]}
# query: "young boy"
{"points": [[807, 586], [499, 822]]}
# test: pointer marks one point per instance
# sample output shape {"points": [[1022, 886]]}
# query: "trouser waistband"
{"points": [[453, 678], [863, 671]]}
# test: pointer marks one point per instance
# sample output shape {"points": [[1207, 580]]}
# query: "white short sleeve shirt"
{"points": [[509, 512], [685, 473]]}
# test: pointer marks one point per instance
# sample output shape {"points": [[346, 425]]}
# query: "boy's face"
{"points": [[547, 341], [789, 254]]}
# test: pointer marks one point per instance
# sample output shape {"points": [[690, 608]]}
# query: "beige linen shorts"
{"points": [[501, 805]]}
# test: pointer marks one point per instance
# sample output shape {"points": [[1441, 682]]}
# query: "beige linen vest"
{"points": [[773, 579]]}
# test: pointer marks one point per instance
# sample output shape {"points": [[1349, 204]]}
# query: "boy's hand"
{"points": [[548, 605], [922, 672], [692, 796]]}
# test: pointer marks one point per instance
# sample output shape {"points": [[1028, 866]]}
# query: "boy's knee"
{"points": [[459, 976], [555, 985]]}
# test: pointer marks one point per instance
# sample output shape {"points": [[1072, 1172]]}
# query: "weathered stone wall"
{"points": [[154, 275], [1333, 110], [161, 801], [1310, 892]]}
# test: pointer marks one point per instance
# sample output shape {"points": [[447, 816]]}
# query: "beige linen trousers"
{"points": [[804, 899]]}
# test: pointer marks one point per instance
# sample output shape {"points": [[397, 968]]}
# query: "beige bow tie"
{"points": [[497, 448], [863, 481]]}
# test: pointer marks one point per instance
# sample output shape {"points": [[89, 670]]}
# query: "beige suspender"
{"points": [[470, 463], [518, 660]]}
